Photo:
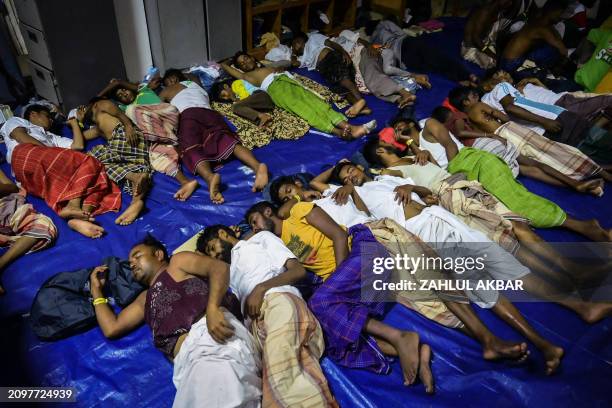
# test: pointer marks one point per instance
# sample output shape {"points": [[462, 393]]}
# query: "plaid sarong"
{"points": [[507, 152], [283, 126], [478, 209], [564, 158], [158, 123], [19, 219], [342, 309], [495, 176], [291, 341], [59, 175], [398, 241], [120, 158]]}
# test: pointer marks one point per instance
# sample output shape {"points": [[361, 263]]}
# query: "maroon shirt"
{"points": [[173, 307]]}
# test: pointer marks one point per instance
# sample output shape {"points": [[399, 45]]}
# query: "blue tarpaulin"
{"points": [[131, 372]]}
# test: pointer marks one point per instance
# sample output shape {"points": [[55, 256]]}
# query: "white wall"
{"points": [[134, 37]]}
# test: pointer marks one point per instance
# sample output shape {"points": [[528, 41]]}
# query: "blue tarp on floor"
{"points": [[131, 372]]}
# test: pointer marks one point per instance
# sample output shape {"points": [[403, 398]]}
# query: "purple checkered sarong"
{"points": [[342, 307]]}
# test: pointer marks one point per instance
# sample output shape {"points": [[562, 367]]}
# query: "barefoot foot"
{"points": [[408, 350], [186, 190], [70, 212], [261, 178], [594, 312], [214, 189], [594, 187], [357, 107], [498, 349], [89, 229], [425, 374], [130, 213], [552, 355]]}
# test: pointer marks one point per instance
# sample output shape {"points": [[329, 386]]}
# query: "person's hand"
{"points": [[97, 279], [72, 122], [264, 118], [236, 230], [347, 58], [219, 328], [422, 80], [553, 126], [406, 98], [342, 194], [422, 157], [131, 136], [254, 301], [403, 194], [431, 199], [311, 195]]}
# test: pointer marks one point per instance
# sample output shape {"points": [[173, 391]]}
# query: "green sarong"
{"points": [[496, 177], [293, 97]]}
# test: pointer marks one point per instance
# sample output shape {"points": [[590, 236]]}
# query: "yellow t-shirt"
{"points": [[311, 247]]}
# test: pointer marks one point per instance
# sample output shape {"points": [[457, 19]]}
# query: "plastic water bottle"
{"points": [[151, 72]]}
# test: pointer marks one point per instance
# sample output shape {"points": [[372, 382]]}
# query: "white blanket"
{"points": [[212, 375]]}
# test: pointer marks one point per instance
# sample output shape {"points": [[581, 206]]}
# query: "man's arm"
{"points": [[20, 135], [335, 46], [552, 37], [91, 133], [217, 274], [78, 140], [321, 182], [111, 324], [319, 219], [6, 185], [115, 83], [516, 111], [294, 272], [440, 133], [112, 109], [232, 71]]}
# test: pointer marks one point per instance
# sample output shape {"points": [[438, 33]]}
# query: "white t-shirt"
{"points": [[542, 95], [502, 89], [46, 138], [347, 214], [193, 96], [312, 49], [379, 197], [256, 260]]}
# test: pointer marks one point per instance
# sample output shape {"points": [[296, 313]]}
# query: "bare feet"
{"points": [[408, 350], [141, 183], [357, 107], [89, 229], [498, 349], [130, 213], [594, 312], [186, 190], [214, 189], [69, 212], [425, 374], [360, 131], [261, 177], [552, 355], [595, 187]]}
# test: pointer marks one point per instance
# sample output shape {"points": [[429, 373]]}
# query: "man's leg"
{"points": [[510, 314], [356, 99], [213, 180], [589, 228], [261, 170], [188, 186], [141, 183], [18, 248]]}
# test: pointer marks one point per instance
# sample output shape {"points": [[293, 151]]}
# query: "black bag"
{"points": [[62, 307]]}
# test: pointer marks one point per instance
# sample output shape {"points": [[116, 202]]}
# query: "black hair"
{"points": [[458, 95], [210, 233], [276, 186], [300, 34], [553, 5], [173, 72], [217, 87], [400, 119], [441, 114], [152, 242], [335, 175], [35, 108], [369, 151], [260, 207]]}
